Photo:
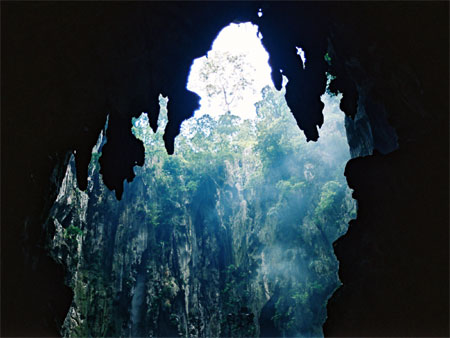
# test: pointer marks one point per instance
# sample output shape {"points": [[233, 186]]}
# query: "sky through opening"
{"points": [[241, 42]]}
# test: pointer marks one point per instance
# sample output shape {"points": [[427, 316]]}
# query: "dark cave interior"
{"points": [[65, 67]]}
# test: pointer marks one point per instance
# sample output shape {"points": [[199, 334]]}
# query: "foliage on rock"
{"points": [[242, 215]]}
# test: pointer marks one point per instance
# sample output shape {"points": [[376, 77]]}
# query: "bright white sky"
{"points": [[237, 39]]}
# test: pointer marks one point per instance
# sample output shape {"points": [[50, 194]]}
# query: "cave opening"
{"points": [[388, 61], [229, 236]]}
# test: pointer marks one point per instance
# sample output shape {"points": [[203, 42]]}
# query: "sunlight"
{"points": [[245, 203], [232, 87]]}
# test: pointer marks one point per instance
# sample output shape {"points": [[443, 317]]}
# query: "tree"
{"points": [[224, 78]]}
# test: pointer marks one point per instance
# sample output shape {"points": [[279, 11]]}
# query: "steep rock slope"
{"points": [[224, 238]]}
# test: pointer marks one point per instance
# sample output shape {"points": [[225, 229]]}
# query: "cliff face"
{"points": [[219, 251], [134, 276]]}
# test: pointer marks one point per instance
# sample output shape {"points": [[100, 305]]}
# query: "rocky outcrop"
{"points": [[134, 276], [201, 254]]}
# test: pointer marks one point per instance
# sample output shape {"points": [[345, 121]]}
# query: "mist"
{"points": [[280, 201], [231, 233]]}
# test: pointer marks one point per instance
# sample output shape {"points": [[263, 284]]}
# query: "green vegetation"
{"points": [[245, 212], [294, 188], [72, 232], [327, 58]]}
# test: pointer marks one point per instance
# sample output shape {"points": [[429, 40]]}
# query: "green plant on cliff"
{"points": [[244, 211], [72, 231]]}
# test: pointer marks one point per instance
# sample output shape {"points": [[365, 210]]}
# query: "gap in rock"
{"points": [[229, 236]]}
